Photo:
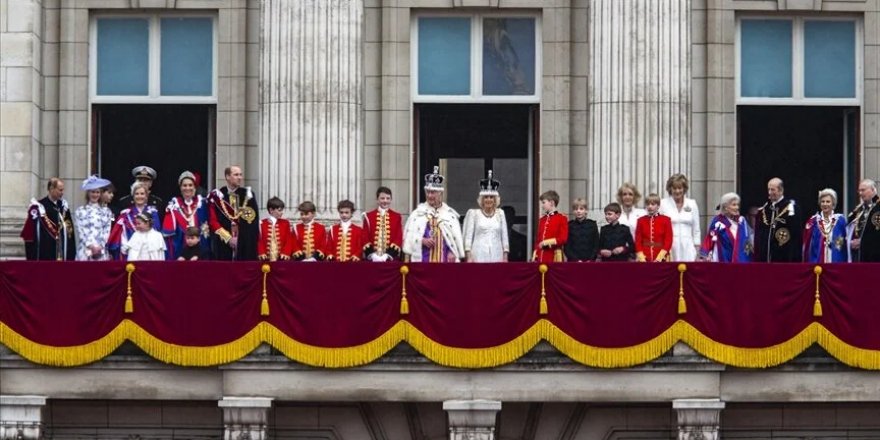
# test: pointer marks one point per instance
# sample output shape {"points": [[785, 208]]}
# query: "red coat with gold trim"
{"points": [[552, 236], [383, 233], [276, 239], [310, 242], [345, 246], [653, 237]]}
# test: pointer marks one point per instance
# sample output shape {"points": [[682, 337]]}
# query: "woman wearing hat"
{"points": [[125, 224], [92, 222], [485, 229], [184, 211]]}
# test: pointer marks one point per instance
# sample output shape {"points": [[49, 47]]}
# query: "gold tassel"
{"points": [[682, 306], [129, 303], [543, 307], [404, 304], [817, 305], [264, 305]]}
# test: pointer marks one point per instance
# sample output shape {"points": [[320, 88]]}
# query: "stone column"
{"points": [[311, 101], [698, 419], [472, 419], [21, 417], [21, 65], [245, 418], [639, 95]]}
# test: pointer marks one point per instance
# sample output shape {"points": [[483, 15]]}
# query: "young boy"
{"points": [[583, 234], [552, 231], [192, 246], [615, 239], [653, 233], [276, 241], [311, 236], [345, 242], [146, 243], [383, 230]]}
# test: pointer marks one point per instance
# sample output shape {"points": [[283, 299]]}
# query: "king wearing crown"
{"points": [[432, 232]]}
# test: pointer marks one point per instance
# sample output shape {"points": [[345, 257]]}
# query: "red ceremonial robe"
{"points": [[653, 237], [552, 235]]}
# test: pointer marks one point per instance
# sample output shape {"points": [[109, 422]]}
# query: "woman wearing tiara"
{"points": [[485, 229]]}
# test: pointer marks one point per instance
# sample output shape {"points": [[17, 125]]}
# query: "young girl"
{"points": [[146, 244]]}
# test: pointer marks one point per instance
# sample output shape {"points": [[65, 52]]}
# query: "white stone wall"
{"points": [[311, 98]]}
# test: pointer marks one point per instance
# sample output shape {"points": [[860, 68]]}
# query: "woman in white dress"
{"points": [[685, 216], [93, 222], [628, 196], [485, 229]]}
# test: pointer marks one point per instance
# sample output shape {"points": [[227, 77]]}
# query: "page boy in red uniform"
{"points": [[552, 231], [653, 233], [346, 239], [276, 240]]}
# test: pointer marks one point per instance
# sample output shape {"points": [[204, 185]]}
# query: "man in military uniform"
{"points": [[778, 227], [863, 224], [48, 230], [234, 218], [145, 175]]}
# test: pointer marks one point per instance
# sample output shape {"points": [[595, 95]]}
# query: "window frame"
{"points": [[154, 83], [798, 73], [476, 73]]}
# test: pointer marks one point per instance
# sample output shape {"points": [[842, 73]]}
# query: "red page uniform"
{"points": [[345, 242], [383, 235], [275, 239], [653, 238], [311, 239], [552, 235]]}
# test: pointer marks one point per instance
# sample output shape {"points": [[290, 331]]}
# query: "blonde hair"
{"points": [[579, 202], [636, 194], [136, 185], [652, 199], [676, 179]]}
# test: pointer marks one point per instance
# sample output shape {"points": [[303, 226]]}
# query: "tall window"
{"points": [[476, 58], [153, 58], [808, 60]]}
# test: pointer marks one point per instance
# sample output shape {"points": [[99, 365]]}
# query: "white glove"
{"points": [[310, 259], [376, 258]]}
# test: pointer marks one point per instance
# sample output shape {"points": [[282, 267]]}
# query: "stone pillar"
{"points": [[639, 95], [698, 419], [21, 35], [472, 419], [311, 101], [21, 417], [245, 418]]}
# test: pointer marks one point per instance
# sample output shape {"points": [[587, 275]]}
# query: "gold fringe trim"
{"points": [[746, 357], [846, 353], [474, 357], [610, 357], [335, 357], [444, 355]]}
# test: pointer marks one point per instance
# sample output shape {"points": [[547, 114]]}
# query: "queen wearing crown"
{"points": [[432, 232], [485, 229]]}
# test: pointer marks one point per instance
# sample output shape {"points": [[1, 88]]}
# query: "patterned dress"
{"points": [[92, 222]]}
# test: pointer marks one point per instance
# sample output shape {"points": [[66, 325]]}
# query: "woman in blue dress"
{"points": [[825, 232]]}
